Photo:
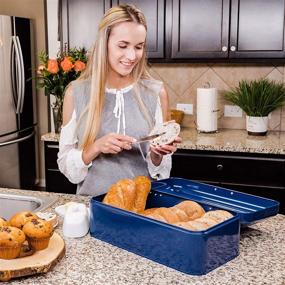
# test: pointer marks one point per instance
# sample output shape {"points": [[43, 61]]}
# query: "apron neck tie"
{"points": [[119, 111]]}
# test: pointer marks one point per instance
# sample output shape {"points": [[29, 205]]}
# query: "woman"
{"points": [[113, 103]]}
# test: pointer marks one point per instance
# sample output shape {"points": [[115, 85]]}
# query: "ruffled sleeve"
{"points": [[69, 160]]}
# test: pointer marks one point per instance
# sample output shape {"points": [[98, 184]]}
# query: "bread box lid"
{"points": [[250, 208]]}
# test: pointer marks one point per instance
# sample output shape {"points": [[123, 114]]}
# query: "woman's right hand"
{"points": [[114, 143], [111, 143]]}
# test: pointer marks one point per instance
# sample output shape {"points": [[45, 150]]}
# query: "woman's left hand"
{"points": [[156, 152], [167, 148]]}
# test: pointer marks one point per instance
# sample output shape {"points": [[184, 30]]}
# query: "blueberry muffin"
{"points": [[38, 233], [21, 218], [3, 222], [11, 240]]}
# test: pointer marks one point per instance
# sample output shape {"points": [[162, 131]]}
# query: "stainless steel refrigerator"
{"points": [[17, 104]]}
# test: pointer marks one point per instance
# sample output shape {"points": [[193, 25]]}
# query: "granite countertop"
{"points": [[50, 137], [223, 140], [233, 140], [91, 261]]}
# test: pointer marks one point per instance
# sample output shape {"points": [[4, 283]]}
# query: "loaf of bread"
{"points": [[218, 215], [188, 215], [164, 214], [208, 220], [129, 194], [192, 209], [192, 225], [143, 186], [122, 194], [182, 212]]}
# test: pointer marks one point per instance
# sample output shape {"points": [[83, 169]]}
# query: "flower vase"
{"points": [[257, 126], [57, 118]]}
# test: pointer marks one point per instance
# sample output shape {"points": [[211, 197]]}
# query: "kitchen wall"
{"points": [[182, 80], [33, 9]]}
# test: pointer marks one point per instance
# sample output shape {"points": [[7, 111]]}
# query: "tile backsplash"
{"points": [[182, 80]]}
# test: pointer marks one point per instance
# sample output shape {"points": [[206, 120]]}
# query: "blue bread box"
{"points": [[194, 253]]}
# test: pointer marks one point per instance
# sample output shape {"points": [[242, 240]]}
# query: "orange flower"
{"points": [[52, 66], [79, 65], [66, 64]]}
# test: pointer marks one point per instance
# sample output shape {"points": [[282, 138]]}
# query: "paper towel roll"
{"points": [[207, 109]]}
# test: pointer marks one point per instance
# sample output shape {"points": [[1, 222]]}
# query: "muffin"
{"points": [[11, 240], [38, 233], [21, 218], [3, 222]]}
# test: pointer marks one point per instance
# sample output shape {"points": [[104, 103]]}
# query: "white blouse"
{"points": [[70, 160]]}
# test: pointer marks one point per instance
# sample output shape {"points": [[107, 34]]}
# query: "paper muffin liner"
{"points": [[38, 243], [10, 252]]}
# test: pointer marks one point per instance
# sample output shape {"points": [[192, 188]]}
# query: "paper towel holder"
{"points": [[207, 109], [207, 84]]}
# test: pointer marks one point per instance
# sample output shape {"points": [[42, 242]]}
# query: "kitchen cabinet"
{"points": [[80, 21], [235, 29], [257, 174], [154, 14], [200, 29], [257, 29], [189, 30], [55, 180]]}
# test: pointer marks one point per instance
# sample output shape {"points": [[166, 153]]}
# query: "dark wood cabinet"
{"points": [[189, 30], [55, 180], [257, 29], [200, 29], [154, 11], [257, 174], [80, 21], [224, 29]]}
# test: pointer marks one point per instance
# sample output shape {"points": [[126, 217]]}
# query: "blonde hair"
{"points": [[97, 68]]}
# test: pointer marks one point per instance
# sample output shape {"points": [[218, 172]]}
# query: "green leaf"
{"points": [[257, 97]]}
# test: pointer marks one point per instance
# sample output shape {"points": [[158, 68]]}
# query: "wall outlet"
{"points": [[232, 111], [186, 108]]}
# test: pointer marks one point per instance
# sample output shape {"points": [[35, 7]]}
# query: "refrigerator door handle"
{"points": [[18, 75], [19, 131], [12, 70], [22, 75], [18, 140]]}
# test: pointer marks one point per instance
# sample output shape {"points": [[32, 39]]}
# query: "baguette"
{"points": [[129, 194], [143, 186], [121, 195]]}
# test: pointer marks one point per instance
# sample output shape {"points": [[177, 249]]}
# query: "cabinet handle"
{"points": [[220, 167], [52, 146], [233, 48], [224, 48]]}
